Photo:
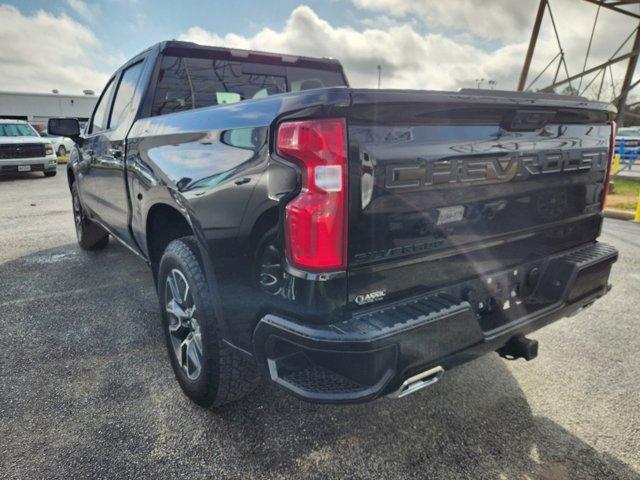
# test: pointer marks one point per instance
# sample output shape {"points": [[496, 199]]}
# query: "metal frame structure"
{"points": [[575, 82]]}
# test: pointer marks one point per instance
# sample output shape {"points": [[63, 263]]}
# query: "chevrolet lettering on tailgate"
{"points": [[494, 169]]}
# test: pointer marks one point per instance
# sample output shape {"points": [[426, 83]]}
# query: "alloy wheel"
{"points": [[184, 328], [78, 216]]}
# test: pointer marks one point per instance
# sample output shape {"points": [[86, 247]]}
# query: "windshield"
{"points": [[17, 130]]}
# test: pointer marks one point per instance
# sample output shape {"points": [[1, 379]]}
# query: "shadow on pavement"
{"points": [[88, 392], [21, 176], [475, 424]]}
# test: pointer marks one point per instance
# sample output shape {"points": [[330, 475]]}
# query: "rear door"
{"points": [[108, 164], [445, 188]]}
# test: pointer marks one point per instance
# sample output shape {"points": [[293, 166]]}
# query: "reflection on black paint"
{"points": [[209, 159]]}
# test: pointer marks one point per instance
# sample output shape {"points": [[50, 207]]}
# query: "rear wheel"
{"points": [[210, 372], [90, 235], [269, 273]]}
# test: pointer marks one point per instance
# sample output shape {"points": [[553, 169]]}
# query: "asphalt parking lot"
{"points": [[86, 389]]}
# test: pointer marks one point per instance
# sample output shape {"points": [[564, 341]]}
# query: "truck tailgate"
{"points": [[445, 187]]}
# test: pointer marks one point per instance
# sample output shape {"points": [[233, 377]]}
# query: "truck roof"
{"points": [[242, 53]]}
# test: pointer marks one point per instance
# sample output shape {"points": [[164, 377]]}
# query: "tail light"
{"points": [[316, 219], [607, 178]]}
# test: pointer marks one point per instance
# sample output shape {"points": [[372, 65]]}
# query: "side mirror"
{"points": [[64, 127]]}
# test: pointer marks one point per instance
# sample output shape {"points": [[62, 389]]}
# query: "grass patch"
{"points": [[625, 194], [626, 186]]}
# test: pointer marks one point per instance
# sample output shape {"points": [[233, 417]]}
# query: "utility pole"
{"points": [[379, 74], [626, 84], [532, 45]]}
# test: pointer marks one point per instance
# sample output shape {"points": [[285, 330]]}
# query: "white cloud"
{"points": [[82, 9], [43, 51], [486, 18], [464, 41], [509, 23], [449, 56], [408, 59]]}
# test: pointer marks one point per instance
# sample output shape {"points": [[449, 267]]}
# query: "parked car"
{"points": [[628, 145], [344, 243], [23, 150], [62, 145], [628, 133]]}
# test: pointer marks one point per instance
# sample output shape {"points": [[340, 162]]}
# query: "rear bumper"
{"points": [[372, 353]]}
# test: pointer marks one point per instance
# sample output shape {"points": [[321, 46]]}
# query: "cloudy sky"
{"points": [[72, 45]]}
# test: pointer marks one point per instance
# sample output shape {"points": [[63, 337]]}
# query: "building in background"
{"points": [[37, 108]]}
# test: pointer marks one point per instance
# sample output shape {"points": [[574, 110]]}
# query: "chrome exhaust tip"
{"points": [[418, 382]]}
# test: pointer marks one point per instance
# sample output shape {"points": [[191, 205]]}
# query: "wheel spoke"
{"points": [[271, 266], [174, 324], [186, 293], [173, 285], [197, 337], [176, 310], [180, 349], [193, 357], [267, 280]]}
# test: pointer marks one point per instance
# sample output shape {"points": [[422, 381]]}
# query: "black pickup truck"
{"points": [[344, 243]]}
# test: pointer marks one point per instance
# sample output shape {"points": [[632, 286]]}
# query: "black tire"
{"points": [[62, 151], [50, 174], [224, 374], [90, 235]]}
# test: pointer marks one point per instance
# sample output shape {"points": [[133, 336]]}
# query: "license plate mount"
{"points": [[24, 168]]}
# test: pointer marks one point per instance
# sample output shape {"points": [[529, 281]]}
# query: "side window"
{"points": [[124, 94], [101, 113]]}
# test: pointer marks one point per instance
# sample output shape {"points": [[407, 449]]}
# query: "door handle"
{"points": [[242, 181]]}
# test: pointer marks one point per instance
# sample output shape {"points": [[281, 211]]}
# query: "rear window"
{"points": [[17, 130], [185, 83]]}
